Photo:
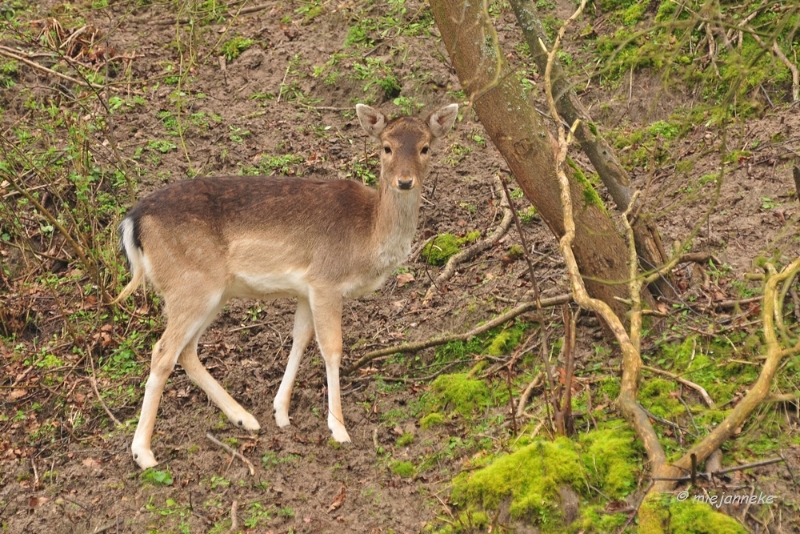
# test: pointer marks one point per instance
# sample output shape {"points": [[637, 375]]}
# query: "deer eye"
{"points": [[424, 150], [387, 150]]}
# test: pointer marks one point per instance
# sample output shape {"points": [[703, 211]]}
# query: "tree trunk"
{"points": [[522, 138], [602, 156]]}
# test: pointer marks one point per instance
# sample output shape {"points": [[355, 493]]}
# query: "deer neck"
{"points": [[395, 225]]}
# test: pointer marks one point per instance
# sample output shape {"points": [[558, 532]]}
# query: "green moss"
{"points": [[440, 249], [405, 440], [460, 393], [657, 396], [515, 251], [506, 340], [403, 469], [594, 518], [590, 196], [611, 5], [611, 461], [664, 514], [633, 13], [707, 364], [233, 48], [609, 386], [431, 420], [495, 341], [530, 477], [664, 130]]}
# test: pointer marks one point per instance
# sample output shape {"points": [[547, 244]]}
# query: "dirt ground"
{"points": [[302, 483]]}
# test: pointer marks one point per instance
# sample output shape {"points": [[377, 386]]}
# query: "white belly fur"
{"points": [[261, 285]]}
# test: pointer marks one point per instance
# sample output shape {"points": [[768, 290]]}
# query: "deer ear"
{"points": [[372, 120], [441, 120]]}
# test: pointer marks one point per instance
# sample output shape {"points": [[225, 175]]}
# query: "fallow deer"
{"points": [[202, 242]]}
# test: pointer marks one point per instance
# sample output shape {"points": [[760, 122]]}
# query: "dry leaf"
{"points": [[33, 502], [404, 278], [91, 463], [338, 501]]}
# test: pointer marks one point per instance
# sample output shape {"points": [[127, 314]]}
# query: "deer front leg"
{"points": [[327, 312], [301, 336]]}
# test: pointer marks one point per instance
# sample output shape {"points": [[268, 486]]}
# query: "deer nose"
{"points": [[405, 183]]}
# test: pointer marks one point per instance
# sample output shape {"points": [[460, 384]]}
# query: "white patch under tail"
{"points": [[135, 257]]}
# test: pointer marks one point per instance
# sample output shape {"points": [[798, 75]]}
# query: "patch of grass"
{"points": [[282, 164], [161, 145], [256, 515]]}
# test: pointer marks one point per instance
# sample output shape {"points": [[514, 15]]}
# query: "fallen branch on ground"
{"points": [[497, 321], [9, 53], [234, 518], [718, 473], [523, 399], [232, 452], [93, 380]]}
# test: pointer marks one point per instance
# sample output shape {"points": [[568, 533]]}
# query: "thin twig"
{"points": [[234, 518], [522, 239], [4, 51], [232, 452], [697, 387], [523, 399], [93, 380], [280, 88]]}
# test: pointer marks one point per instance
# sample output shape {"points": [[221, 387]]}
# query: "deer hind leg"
{"points": [[215, 392], [183, 326], [301, 336], [327, 312]]}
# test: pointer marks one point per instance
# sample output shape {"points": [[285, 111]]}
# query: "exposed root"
{"points": [[470, 252]]}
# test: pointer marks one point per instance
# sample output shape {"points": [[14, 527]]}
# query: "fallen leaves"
{"points": [[404, 278], [338, 501]]}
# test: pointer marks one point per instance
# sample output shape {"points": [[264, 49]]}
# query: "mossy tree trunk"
{"points": [[516, 129], [600, 153]]}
